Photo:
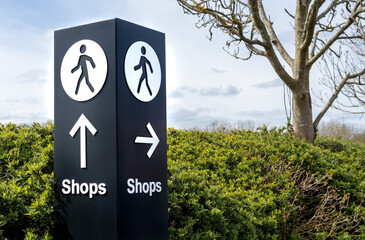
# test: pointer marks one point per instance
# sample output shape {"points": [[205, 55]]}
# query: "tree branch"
{"points": [[335, 96], [335, 37], [290, 15], [330, 7], [310, 24], [274, 39], [269, 51]]}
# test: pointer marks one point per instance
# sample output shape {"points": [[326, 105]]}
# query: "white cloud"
{"points": [[225, 91], [188, 89], [176, 94], [184, 117], [274, 117], [24, 100], [218, 70], [33, 76], [23, 116], [270, 84]]}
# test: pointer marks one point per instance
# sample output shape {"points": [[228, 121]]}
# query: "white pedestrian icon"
{"points": [[142, 71], [84, 70]]}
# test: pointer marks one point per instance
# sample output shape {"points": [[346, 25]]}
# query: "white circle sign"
{"points": [[142, 71], [83, 70]]}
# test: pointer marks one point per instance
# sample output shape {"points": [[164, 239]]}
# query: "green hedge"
{"points": [[262, 184], [26, 181]]}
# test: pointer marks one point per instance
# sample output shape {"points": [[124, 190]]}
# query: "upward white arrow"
{"points": [[82, 123], [149, 140]]}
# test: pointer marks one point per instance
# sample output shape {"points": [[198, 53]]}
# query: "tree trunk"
{"points": [[302, 103], [302, 116]]}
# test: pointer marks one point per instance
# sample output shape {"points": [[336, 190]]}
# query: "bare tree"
{"points": [[318, 26], [345, 76]]}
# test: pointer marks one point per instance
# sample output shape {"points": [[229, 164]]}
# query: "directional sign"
{"points": [[149, 140], [83, 70], [110, 160], [83, 123], [142, 71]]}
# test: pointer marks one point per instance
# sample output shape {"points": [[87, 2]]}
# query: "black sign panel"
{"points": [[110, 132]]}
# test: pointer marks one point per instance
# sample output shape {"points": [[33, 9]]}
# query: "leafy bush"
{"points": [[263, 184], [26, 181]]}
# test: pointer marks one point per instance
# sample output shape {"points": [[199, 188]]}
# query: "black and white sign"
{"points": [[83, 70], [110, 132], [82, 124], [153, 140], [142, 71]]}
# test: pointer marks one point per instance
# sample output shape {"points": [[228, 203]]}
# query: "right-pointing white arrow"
{"points": [[82, 123], [149, 140]]}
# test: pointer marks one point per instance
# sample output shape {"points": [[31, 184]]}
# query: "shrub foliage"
{"points": [[26, 181], [263, 184]]}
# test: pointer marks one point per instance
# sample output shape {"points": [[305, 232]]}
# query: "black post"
{"points": [[110, 132]]}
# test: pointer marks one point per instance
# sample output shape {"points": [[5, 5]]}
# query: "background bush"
{"points": [[264, 185], [222, 184], [26, 181], [341, 130]]}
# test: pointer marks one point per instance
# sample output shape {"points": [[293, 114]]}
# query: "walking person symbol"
{"points": [[144, 76], [143, 80], [83, 59]]}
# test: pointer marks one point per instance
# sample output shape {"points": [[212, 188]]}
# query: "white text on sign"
{"points": [[74, 188], [135, 186]]}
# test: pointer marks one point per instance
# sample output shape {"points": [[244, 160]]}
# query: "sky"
{"points": [[204, 83]]}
